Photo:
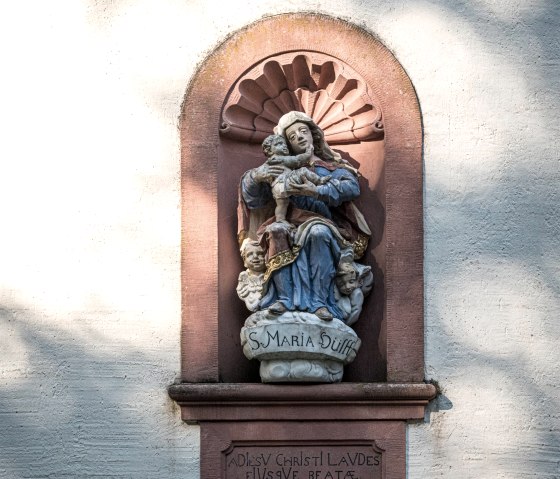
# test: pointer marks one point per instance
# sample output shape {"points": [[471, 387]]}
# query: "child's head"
{"points": [[253, 256], [275, 145], [346, 278]]}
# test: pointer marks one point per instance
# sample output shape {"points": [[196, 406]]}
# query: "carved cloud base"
{"points": [[298, 346], [301, 370]]}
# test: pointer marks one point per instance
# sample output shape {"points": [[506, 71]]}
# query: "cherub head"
{"points": [[275, 145], [253, 256], [346, 278]]}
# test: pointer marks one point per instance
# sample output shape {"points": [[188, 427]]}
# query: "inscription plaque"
{"points": [[302, 461], [277, 339]]}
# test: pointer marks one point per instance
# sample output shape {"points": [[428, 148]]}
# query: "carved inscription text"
{"points": [[327, 461]]}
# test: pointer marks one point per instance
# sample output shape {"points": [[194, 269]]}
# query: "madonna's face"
{"points": [[299, 136]]}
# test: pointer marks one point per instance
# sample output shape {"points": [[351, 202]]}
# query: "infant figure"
{"points": [[277, 152]]}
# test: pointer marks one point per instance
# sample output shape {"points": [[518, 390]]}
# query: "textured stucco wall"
{"points": [[89, 203]]}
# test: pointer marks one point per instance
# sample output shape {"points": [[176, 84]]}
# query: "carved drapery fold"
{"points": [[325, 88]]}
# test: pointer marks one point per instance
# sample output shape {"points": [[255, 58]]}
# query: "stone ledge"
{"points": [[259, 402]]}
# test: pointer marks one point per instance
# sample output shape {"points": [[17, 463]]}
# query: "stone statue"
{"points": [[353, 281], [250, 282], [276, 149], [310, 245]]}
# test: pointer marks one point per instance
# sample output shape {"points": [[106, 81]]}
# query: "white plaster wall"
{"points": [[90, 92]]}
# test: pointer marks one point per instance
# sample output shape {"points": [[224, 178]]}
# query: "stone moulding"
{"points": [[344, 401], [323, 87]]}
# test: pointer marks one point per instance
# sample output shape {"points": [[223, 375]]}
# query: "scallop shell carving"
{"points": [[323, 87]]}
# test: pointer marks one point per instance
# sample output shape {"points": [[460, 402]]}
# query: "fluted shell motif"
{"points": [[323, 87]]}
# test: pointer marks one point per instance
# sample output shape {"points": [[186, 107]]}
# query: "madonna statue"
{"points": [[310, 271]]}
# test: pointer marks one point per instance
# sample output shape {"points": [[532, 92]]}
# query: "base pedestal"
{"points": [[298, 346], [301, 370], [307, 450], [323, 431]]}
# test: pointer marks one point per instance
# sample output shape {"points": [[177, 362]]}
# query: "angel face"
{"points": [[253, 258], [347, 282]]}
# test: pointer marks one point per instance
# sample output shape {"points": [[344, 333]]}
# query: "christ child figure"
{"points": [[295, 171]]}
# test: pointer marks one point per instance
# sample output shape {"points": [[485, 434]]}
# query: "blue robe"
{"points": [[307, 283]]}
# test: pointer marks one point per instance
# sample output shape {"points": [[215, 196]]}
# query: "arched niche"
{"points": [[360, 94]]}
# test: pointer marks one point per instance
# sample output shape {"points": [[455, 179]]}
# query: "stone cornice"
{"points": [[344, 401]]}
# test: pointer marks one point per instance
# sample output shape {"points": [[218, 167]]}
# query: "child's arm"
{"points": [[303, 158], [292, 162]]}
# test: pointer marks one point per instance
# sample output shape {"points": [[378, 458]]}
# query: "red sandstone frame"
{"points": [[210, 170]]}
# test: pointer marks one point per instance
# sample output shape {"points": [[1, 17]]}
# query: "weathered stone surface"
{"points": [[289, 460], [298, 450], [301, 370], [298, 346], [298, 335], [290, 79]]}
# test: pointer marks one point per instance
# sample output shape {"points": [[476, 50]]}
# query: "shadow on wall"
{"points": [[492, 288], [78, 406], [492, 271]]}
